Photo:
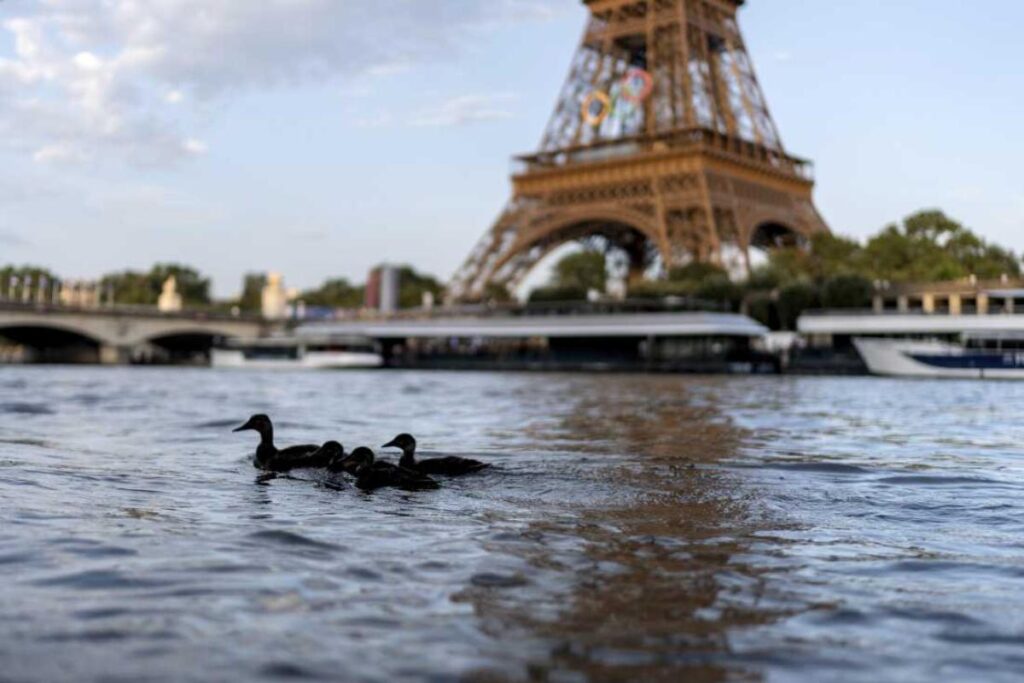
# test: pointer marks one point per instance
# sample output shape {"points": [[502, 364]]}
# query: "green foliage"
{"points": [[847, 291], [412, 285], [764, 278], [335, 293], [761, 308], [193, 287], [252, 292], [794, 299], [930, 246], [718, 288], [554, 293], [583, 270], [131, 287], [20, 272], [927, 247], [696, 272], [828, 255], [659, 289]]}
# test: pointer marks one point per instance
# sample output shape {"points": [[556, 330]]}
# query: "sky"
{"points": [[320, 137]]}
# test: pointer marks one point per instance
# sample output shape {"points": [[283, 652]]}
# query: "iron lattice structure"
{"points": [[661, 145]]}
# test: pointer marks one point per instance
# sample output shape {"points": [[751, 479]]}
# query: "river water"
{"points": [[634, 528]]}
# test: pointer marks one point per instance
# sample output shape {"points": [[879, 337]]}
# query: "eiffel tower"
{"points": [[661, 150]]}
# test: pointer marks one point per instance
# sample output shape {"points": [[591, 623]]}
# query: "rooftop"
{"points": [[568, 326]]}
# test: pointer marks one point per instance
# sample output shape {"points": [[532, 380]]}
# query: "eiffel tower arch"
{"points": [[661, 147]]}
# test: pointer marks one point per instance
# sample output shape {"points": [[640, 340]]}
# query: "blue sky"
{"points": [[318, 138]]}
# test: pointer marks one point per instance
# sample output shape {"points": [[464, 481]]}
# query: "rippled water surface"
{"points": [[633, 528]]}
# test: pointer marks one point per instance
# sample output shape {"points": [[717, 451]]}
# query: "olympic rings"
{"points": [[637, 85], [589, 117]]}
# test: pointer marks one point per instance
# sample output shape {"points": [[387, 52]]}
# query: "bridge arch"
{"points": [[157, 332], [49, 342]]}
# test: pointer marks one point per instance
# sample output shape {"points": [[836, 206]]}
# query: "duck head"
{"points": [[404, 441], [332, 453], [258, 423], [357, 460]]}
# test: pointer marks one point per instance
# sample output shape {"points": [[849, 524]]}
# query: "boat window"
{"points": [[354, 347], [271, 353]]}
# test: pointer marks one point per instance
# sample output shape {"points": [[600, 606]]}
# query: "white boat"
{"points": [[980, 356], [292, 353]]}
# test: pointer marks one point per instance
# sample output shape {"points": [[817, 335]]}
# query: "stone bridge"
{"points": [[117, 334]]}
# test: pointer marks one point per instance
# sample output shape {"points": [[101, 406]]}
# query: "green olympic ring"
{"points": [[635, 87]]}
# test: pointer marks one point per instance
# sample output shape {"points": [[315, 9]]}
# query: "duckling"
{"points": [[269, 458], [372, 474], [452, 465], [333, 456]]}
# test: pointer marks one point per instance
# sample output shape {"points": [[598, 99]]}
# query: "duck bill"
{"points": [[247, 425], [390, 444]]}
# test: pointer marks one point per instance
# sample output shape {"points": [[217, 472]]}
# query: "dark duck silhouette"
{"points": [[372, 474], [451, 465], [269, 457], [331, 456]]}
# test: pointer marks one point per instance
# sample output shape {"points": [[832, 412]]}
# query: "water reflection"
{"points": [[665, 577]]}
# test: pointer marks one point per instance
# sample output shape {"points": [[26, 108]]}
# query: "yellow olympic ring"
{"points": [[606, 107]]}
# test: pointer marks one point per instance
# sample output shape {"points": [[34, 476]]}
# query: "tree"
{"points": [[412, 285], [761, 308], [828, 255], [847, 291], [336, 293], [929, 246], [793, 300], [193, 287], [553, 293], [33, 274], [132, 287], [719, 289], [696, 272], [764, 278], [251, 299], [583, 270]]}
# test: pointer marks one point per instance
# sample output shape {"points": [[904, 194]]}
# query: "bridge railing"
{"points": [[128, 310]]}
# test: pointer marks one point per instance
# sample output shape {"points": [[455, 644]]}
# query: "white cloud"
{"points": [[57, 152], [465, 109], [193, 146], [90, 80]]}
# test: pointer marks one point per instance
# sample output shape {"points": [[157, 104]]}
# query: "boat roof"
{"points": [[683, 324], [291, 340], [909, 323]]}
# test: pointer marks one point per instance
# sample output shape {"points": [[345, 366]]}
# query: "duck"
{"points": [[268, 457], [331, 456], [452, 465], [372, 474]]}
